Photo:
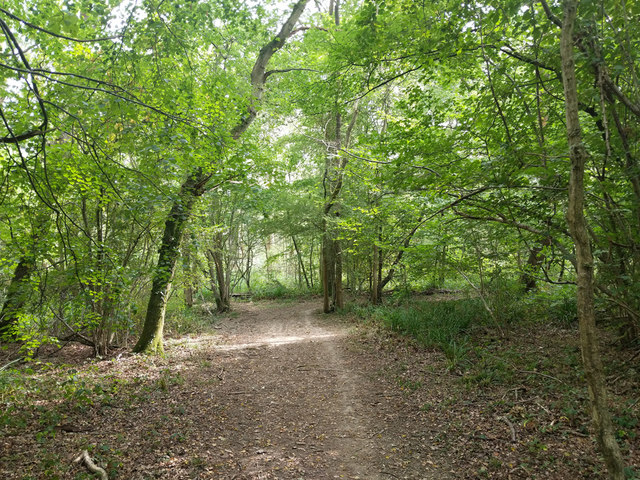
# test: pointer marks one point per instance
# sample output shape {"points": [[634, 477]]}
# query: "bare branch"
{"points": [[57, 35]]}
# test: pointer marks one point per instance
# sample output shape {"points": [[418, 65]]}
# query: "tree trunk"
{"points": [[247, 277], [18, 289], [382, 282], [300, 261], [16, 296], [443, 263], [534, 262], [151, 338], [213, 279], [188, 283], [584, 260], [375, 298], [339, 295], [311, 263], [223, 279], [328, 273]]}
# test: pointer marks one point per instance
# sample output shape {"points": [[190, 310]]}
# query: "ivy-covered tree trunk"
{"points": [[19, 286], [151, 338], [333, 175], [213, 278], [189, 284], [220, 274], [339, 296], [578, 228], [16, 296], [328, 273]]}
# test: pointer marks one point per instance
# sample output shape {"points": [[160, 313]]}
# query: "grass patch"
{"points": [[440, 324]]}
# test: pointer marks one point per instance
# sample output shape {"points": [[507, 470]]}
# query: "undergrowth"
{"points": [[277, 291], [434, 324]]}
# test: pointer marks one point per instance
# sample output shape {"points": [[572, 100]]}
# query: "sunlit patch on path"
{"points": [[277, 341]]}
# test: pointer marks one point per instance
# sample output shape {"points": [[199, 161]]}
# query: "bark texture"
{"points": [[578, 228]]}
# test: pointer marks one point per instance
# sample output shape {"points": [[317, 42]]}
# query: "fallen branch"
{"points": [[4, 367], [92, 467], [513, 430], [544, 375]]}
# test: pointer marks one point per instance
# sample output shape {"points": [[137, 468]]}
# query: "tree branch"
{"points": [[57, 35]]}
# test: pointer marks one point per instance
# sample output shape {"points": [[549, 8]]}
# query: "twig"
{"points": [[92, 467], [484, 302], [544, 375], [390, 474], [513, 430], [60, 318], [4, 367], [543, 408]]}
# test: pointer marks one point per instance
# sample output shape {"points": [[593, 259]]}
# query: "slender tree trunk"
{"points": [[578, 228], [328, 273], [300, 261], [247, 277], [443, 263], [223, 279], [375, 298], [188, 272], [311, 263], [213, 280], [382, 282], [339, 296]]}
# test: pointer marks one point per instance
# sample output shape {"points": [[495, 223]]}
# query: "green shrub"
{"points": [[556, 304], [506, 300], [275, 291]]}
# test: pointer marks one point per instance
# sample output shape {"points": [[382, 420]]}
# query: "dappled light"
{"points": [[319, 239]]}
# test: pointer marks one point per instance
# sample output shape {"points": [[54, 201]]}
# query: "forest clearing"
{"points": [[280, 391], [319, 239]]}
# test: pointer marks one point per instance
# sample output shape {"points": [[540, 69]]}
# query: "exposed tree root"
{"points": [[92, 467]]}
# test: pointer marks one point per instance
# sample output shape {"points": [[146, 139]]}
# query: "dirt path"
{"points": [[303, 401], [280, 392]]}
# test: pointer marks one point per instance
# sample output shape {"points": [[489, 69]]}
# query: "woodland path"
{"points": [[280, 391], [302, 398]]}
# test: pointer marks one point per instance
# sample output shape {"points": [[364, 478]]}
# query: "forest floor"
{"points": [[279, 391]]}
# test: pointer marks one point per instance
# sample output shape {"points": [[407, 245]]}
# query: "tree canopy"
{"points": [[185, 151]]}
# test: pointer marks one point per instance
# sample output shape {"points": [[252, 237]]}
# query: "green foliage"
{"points": [[556, 304], [31, 332], [277, 291], [506, 300], [434, 324]]}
